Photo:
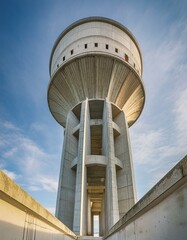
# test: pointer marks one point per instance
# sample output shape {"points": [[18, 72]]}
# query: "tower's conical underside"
{"points": [[95, 93]]}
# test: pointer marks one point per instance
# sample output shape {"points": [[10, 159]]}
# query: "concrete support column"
{"points": [[131, 170], [125, 176], [67, 179], [111, 198], [102, 218], [100, 224], [89, 217], [80, 208], [92, 222]]}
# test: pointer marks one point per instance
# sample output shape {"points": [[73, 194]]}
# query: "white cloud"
{"points": [[158, 146], [9, 125], [159, 137], [146, 142], [10, 152], [165, 62], [48, 184], [10, 174], [164, 58], [31, 155], [38, 127], [34, 164], [3, 142], [34, 188]]}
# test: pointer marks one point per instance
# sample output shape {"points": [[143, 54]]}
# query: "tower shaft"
{"points": [[96, 173]]}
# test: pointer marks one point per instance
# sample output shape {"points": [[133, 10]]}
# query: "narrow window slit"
{"points": [[126, 57]]}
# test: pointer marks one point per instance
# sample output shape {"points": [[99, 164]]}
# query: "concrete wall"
{"points": [[21, 217], [125, 176], [111, 196], [160, 214], [80, 209], [67, 179], [96, 32]]}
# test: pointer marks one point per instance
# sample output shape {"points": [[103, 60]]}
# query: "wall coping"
{"points": [[174, 179], [15, 195]]}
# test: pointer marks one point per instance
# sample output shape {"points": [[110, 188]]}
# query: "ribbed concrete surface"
{"points": [[96, 77]]}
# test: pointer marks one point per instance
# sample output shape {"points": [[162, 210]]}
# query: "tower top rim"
{"points": [[95, 19]]}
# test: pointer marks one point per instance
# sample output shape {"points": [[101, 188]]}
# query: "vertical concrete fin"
{"points": [[80, 209], [111, 199], [125, 176], [66, 189]]}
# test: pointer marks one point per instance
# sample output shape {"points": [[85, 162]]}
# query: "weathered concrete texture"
{"points": [[96, 58], [125, 175], [21, 217], [96, 92], [104, 182], [80, 209], [160, 214], [66, 190], [111, 197]]}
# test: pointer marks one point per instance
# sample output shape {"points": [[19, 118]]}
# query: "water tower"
{"points": [[96, 93]]}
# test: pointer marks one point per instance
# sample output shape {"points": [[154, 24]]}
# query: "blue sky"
{"points": [[31, 140]]}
